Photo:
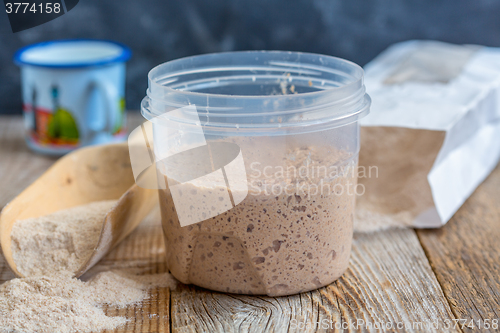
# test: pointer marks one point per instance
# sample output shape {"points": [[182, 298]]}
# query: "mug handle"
{"points": [[101, 122]]}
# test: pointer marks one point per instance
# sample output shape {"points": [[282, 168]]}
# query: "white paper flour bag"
{"points": [[433, 133]]}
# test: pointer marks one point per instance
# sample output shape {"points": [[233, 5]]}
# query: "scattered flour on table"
{"points": [[59, 303], [48, 250]]}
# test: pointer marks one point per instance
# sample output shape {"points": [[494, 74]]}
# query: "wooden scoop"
{"points": [[86, 175]]}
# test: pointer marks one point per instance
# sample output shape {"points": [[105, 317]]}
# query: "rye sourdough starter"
{"points": [[291, 233]]}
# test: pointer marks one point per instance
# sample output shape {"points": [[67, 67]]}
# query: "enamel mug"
{"points": [[73, 93]]}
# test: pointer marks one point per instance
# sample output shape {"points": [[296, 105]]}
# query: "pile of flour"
{"points": [[61, 241], [48, 250], [59, 303]]}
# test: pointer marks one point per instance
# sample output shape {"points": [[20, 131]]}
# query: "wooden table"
{"points": [[406, 278]]}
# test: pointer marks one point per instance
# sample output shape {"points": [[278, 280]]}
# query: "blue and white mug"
{"points": [[73, 93]]}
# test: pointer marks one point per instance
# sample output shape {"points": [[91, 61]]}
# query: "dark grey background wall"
{"points": [[161, 30]]}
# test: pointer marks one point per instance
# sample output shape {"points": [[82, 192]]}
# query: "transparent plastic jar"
{"points": [[256, 164]]}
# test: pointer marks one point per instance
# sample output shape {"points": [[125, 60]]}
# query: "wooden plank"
{"points": [[465, 255], [389, 281], [19, 166]]}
